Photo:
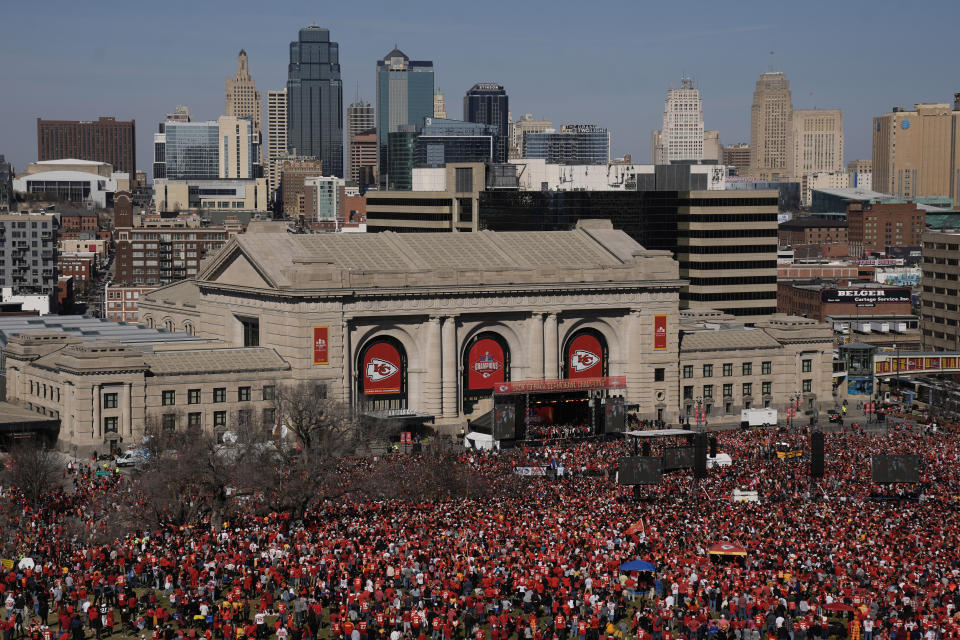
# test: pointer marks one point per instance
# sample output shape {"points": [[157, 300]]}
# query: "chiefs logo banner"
{"points": [[585, 357], [382, 369]]}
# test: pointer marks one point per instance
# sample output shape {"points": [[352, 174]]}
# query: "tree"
{"points": [[32, 469]]}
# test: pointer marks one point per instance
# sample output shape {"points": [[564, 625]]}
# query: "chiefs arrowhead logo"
{"points": [[501, 388], [378, 370], [583, 360]]}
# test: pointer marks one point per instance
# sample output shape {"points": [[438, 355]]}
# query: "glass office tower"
{"points": [[315, 100], [191, 151], [488, 103], [574, 144], [404, 99], [444, 141]]}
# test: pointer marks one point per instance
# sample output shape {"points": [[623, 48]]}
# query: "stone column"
{"points": [[433, 368], [551, 353], [126, 419], [449, 339], [97, 431], [535, 340]]}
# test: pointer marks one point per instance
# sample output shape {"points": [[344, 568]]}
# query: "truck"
{"points": [[758, 417]]}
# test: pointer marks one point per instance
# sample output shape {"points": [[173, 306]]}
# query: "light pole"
{"points": [[699, 413]]}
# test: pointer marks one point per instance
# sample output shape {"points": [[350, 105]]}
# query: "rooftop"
{"points": [[868, 195], [211, 361], [805, 222], [91, 329]]}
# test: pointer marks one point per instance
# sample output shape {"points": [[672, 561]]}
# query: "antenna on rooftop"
{"points": [[772, 66]]}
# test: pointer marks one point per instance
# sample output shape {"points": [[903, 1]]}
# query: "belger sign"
{"points": [[866, 297]]}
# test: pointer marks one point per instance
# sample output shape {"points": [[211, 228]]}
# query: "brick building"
{"points": [[106, 140], [810, 230], [155, 256], [293, 171], [874, 226], [823, 271], [79, 224], [81, 266], [817, 300]]}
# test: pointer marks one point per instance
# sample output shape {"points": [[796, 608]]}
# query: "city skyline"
{"points": [[75, 79]]}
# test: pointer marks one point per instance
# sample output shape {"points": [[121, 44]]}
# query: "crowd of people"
{"points": [[536, 558]]}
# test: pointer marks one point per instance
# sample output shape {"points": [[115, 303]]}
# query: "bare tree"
{"points": [[31, 468]]}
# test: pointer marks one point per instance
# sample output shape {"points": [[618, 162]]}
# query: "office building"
{"points": [[239, 148], [816, 141], [445, 141], [917, 153], [861, 173], [574, 144], [276, 135], [360, 119], [401, 156], [6, 185], [242, 98], [820, 180], [404, 99], [488, 103], [365, 157], [872, 227], [192, 150], [439, 105], [315, 99], [29, 257], [712, 147], [324, 199], [449, 203], [106, 140], [940, 296], [770, 127], [526, 124], [810, 230], [292, 172], [539, 175], [681, 137], [738, 156], [180, 114], [209, 196]]}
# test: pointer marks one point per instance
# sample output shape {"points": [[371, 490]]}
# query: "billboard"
{"points": [[486, 364], [586, 356], [504, 420], [321, 336], [659, 332], [678, 458], [895, 468], [866, 297], [614, 415], [860, 385], [551, 386], [383, 368], [640, 470]]}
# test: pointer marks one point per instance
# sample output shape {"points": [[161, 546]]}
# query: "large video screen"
{"points": [[678, 458], [896, 468], [505, 420], [614, 415], [640, 470]]}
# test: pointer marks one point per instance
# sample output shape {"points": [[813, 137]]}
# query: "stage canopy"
{"points": [[659, 433]]}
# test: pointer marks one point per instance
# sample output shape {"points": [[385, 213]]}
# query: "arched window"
{"points": [[585, 355], [382, 374]]}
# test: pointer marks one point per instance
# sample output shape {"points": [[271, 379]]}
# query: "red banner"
{"points": [[486, 364], [566, 384], [659, 332], [382, 369], [321, 345], [585, 357]]}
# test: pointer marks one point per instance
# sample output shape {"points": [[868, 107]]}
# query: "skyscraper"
{"points": [[180, 114], [360, 118], [770, 126], [242, 98], [526, 124], [315, 99], [439, 106], [574, 144], [404, 99], [917, 153], [816, 142], [276, 135], [488, 103], [681, 137]]}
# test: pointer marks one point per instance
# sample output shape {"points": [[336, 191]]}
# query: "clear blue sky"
{"points": [[603, 62]]}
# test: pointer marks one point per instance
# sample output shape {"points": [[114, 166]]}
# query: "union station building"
{"points": [[432, 325]]}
